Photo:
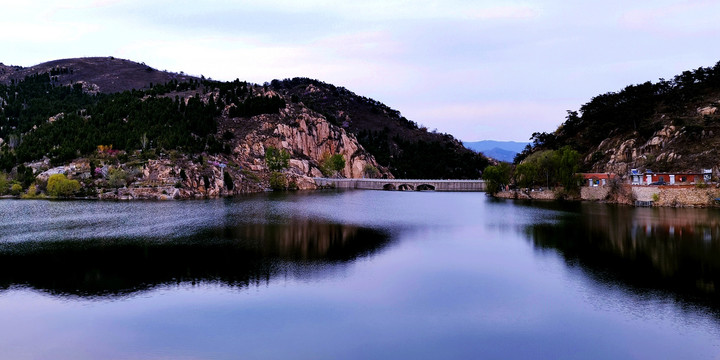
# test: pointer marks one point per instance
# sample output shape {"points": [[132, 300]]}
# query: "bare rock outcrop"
{"points": [[307, 137], [619, 155], [707, 110]]}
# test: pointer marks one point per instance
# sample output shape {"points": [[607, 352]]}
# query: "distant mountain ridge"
{"points": [[499, 150]]}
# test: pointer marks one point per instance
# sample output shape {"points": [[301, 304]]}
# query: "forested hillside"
{"points": [[408, 150], [41, 119], [666, 125], [106, 122]]}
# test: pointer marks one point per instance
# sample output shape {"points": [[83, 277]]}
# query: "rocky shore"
{"points": [[638, 195]]}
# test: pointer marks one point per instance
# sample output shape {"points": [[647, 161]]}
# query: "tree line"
{"points": [[130, 120], [542, 169], [630, 109]]}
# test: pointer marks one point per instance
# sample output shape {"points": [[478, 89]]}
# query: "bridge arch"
{"points": [[405, 187], [425, 187], [405, 184]]}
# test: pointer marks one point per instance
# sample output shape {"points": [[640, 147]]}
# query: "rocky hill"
{"points": [[670, 125], [125, 130], [406, 149], [97, 74]]}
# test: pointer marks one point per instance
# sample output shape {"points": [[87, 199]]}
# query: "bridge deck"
{"points": [[404, 184]]}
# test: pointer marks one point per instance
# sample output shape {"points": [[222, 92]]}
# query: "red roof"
{"points": [[599, 176]]}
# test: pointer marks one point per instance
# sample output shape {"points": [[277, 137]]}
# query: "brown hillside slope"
{"points": [[101, 74]]}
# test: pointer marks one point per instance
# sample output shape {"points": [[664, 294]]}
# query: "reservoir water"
{"points": [[357, 275]]}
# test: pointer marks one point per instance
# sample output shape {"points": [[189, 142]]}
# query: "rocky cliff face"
{"points": [[306, 136], [624, 154], [306, 143], [302, 133], [688, 146]]}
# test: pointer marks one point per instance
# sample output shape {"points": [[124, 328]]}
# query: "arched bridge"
{"points": [[403, 184]]}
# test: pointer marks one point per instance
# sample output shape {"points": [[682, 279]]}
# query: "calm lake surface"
{"points": [[357, 275]]}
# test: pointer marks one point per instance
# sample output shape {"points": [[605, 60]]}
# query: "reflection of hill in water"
{"points": [[676, 251], [237, 256]]}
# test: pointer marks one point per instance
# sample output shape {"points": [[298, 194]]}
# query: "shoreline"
{"points": [[124, 196], [633, 195]]}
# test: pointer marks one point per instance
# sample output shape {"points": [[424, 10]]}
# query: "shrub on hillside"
{"points": [[32, 193], [278, 181], [276, 159], [15, 189], [4, 184], [60, 186], [331, 164], [371, 172]]}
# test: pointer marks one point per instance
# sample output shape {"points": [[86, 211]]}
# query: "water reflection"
{"points": [[236, 255], [674, 251]]}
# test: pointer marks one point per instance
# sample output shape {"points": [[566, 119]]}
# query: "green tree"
{"points": [[526, 174], [497, 177], [16, 189], [117, 178], [32, 193], [92, 166], [24, 175], [60, 186], [278, 181], [566, 162], [331, 164], [337, 162], [370, 171], [228, 180], [537, 169], [550, 168], [276, 159], [4, 183]]}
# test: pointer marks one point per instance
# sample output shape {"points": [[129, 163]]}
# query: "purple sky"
{"points": [[478, 70]]}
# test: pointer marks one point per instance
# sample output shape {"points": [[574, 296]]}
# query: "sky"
{"points": [[479, 70]]}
